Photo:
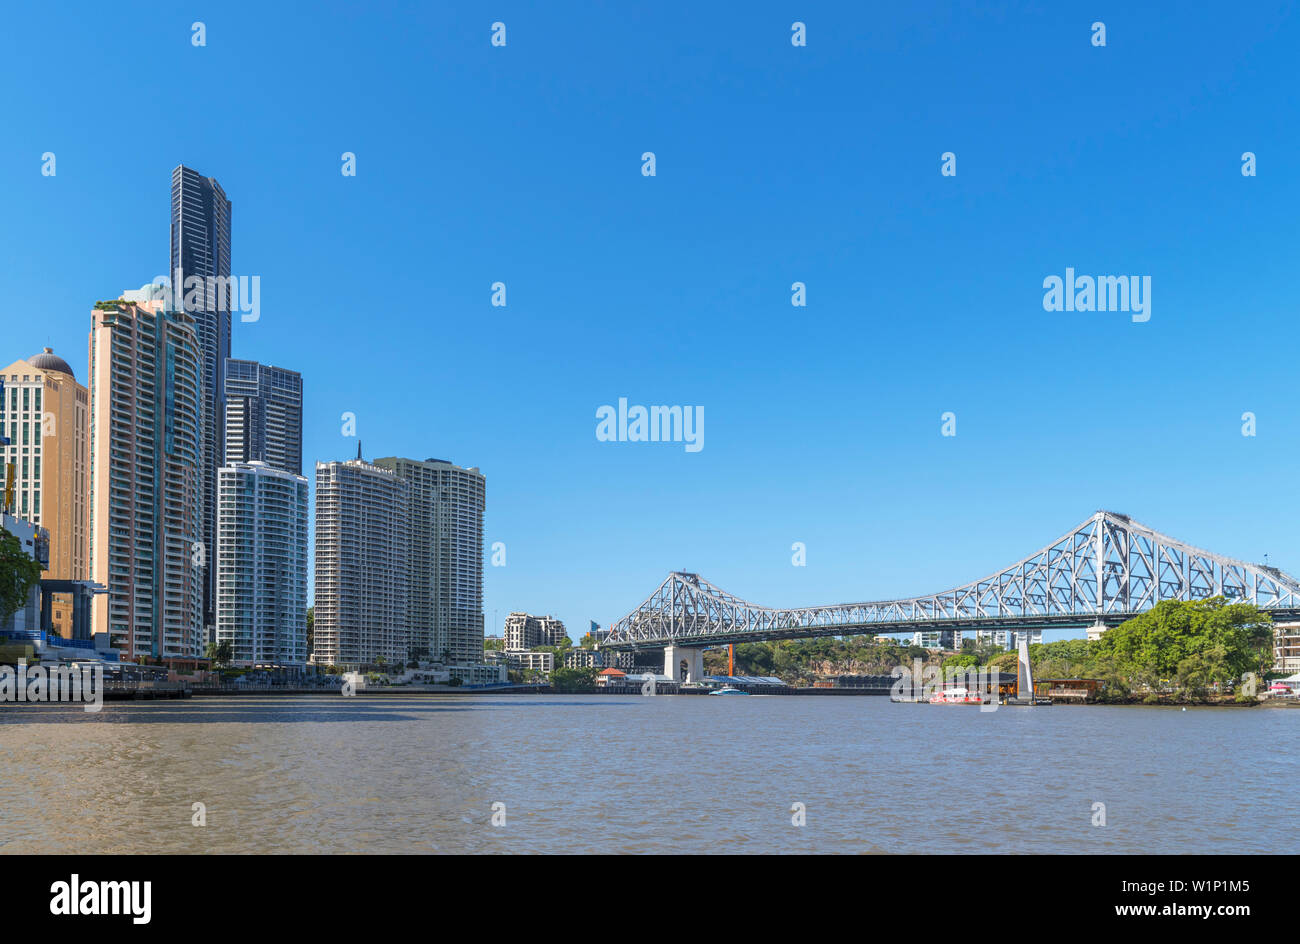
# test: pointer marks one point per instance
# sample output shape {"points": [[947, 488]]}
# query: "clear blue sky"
{"points": [[775, 164]]}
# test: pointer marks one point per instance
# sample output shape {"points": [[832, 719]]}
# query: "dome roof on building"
{"points": [[48, 360]]}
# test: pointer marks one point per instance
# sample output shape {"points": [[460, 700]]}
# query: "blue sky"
{"points": [[775, 164]]}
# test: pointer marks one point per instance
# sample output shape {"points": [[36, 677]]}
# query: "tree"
{"points": [[1006, 662], [311, 629], [574, 680], [19, 572], [1196, 643]]}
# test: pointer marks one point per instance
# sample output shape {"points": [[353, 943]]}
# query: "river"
{"points": [[579, 774]]}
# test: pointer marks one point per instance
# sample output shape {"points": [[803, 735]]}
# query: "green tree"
{"points": [[574, 680], [19, 572], [1197, 643]]}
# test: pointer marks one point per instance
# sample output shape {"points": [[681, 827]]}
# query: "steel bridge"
{"points": [[1101, 573]]}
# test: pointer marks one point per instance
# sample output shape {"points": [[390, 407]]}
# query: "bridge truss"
{"points": [[1106, 570]]}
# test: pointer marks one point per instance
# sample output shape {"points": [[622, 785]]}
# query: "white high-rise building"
{"points": [[948, 639], [1008, 639], [362, 571], [262, 564]]}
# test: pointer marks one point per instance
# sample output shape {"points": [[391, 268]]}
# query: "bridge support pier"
{"points": [[684, 665]]}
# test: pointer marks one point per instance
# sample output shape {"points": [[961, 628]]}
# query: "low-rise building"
{"points": [[1286, 647], [527, 660], [478, 674], [611, 676], [598, 659], [584, 659], [524, 631], [35, 542]]}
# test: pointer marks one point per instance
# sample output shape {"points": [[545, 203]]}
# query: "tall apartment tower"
{"points": [[362, 574], [145, 449], [445, 601], [45, 413], [200, 247], [263, 415], [262, 564]]}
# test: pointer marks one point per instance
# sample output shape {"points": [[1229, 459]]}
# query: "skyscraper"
{"points": [[262, 564], [145, 449], [45, 416], [362, 575], [200, 247], [263, 415], [445, 600]]}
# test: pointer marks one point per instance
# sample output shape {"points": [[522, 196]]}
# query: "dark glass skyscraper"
{"points": [[263, 415], [200, 246]]}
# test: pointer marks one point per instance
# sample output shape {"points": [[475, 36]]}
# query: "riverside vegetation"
{"points": [[1180, 652]]}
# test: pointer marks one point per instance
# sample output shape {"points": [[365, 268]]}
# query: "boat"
{"points": [[728, 690], [956, 696]]}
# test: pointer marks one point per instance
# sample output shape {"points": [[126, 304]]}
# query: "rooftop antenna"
{"points": [[358, 450]]}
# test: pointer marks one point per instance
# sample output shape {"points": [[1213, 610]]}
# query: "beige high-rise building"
{"points": [[362, 572], [145, 453], [45, 417], [444, 615]]}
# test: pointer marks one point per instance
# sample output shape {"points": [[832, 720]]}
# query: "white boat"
{"points": [[728, 690], [956, 696]]}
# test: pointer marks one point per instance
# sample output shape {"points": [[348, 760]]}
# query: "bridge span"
{"points": [[1108, 569]]}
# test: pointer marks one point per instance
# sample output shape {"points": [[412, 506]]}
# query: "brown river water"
{"points": [[629, 774]]}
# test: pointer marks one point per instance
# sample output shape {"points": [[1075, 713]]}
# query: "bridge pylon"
{"points": [[684, 664]]}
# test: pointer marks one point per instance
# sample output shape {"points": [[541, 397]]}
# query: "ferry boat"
{"points": [[956, 696], [728, 690]]}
